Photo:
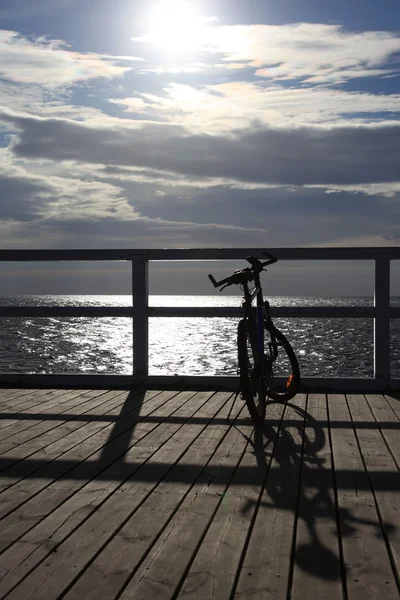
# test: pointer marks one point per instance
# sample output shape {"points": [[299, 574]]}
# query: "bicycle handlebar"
{"points": [[247, 274]]}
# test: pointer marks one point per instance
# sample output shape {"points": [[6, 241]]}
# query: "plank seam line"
{"points": [[118, 529], [85, 459], [54, 548], [84, 401], [72, 418], [52, 405], [42, 396], [391, 407], [255, 513], [337, 509], [23, 399], [140, 562], [174, 512], [296, 516], [383, 436], [11, 394], [16, 462], [64, 419], [208, 525], [384, 535]]}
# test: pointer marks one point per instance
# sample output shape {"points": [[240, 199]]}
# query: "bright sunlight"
{"points": [[175, 26]]}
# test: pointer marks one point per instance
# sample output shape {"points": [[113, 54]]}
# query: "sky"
{"points": [[199, 123]]}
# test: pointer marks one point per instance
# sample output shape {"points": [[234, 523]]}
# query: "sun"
{"points": [[175, 26]]}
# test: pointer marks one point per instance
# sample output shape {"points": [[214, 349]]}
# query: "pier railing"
{"points": [[381, 313]]}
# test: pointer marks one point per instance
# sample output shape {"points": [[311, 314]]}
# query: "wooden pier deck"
{"points": [[166, 494]]}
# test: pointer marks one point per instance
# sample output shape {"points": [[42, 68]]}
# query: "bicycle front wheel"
{"points": [[251, 375], [282, 373]]}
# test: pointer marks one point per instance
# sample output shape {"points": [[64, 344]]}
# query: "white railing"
{"points": [[140, 311]]}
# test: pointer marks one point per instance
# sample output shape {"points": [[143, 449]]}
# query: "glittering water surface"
{"points": [[325, 347]]}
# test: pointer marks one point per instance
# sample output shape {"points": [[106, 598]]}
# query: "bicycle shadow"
{"points": [[300, 481]]}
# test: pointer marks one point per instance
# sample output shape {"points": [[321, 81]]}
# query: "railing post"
{"points": [[382, 320], [140, 300]]}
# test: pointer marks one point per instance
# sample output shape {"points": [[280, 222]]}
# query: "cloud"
{"points": [[25, 196], [46, 62], [297, 156], [40, 100], [154, 233], [291, 216], [213, 217], [313, 53], [219, 108], [46, 210], [387, 189]]}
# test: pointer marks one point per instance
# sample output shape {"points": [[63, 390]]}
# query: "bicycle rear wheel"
{"points": [[250, 370], [282, 373]]}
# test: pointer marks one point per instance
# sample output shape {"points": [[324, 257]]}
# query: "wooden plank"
{"points": [[317, 563], [93, 463], [61, 568], [20, 418], [9, 396], [266, 566], [388, 424], [212, 572], [108, 573], [68, 408], [94, 436], [45, 442], [379, 461], [159, 573], [80, 500], [12, 418], [367, 566], [28, 401], [394, 402], [28, 428], [7, 393], [29, 397]]}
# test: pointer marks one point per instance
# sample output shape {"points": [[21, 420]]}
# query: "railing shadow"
{"points": [[300, 480], [106, 455], [119, 439]]}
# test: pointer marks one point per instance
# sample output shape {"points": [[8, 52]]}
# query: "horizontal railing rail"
{"points": [[310, 312], [391, 252], [140, 312]]}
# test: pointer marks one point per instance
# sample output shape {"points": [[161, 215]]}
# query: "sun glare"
{"points": [[175, 26]]}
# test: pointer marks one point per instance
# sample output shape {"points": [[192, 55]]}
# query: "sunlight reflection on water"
{"points": [[325, 347]]}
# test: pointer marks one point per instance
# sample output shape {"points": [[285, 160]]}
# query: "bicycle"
{"points": [[267, 364]]}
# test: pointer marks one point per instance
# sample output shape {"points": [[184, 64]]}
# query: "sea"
{"points": [[326, 347]]}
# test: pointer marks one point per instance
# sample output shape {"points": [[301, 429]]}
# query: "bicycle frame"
{"points": [[255, 314], [257, 368]]}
